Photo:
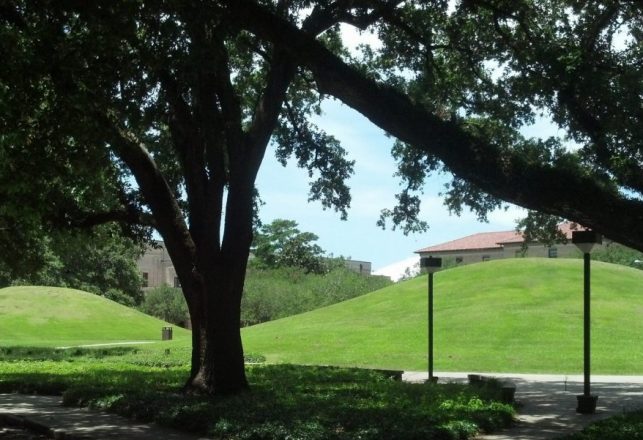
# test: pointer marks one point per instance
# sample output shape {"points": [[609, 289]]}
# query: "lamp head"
{"points": [[585, 240], [431, 264]]}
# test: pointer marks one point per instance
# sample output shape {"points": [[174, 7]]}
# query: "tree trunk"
{"points": [[212, 274], [217, 350]]}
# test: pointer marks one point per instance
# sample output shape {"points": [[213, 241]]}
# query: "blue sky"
{"points": [[373, 188]]}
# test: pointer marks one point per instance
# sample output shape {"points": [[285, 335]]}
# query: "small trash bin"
{"points": [[166, 333]]}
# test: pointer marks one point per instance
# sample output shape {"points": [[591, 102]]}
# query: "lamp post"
{"points": [[431, 265], [585, 241]]}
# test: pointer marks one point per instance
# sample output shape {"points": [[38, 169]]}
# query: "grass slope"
{"points": [[518, 315], [50, 316]]}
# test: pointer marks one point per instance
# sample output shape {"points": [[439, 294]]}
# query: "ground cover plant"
{"points": [[286, 401], [628, 426], [515, 315]]}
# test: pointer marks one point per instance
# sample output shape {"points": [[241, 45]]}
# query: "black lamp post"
{"points": [[431, 265], [585, 241]]}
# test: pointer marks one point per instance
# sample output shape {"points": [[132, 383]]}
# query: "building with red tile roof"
{"points": [[486, 246], [476, 242]]}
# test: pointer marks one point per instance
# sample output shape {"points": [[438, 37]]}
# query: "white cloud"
{"points": [[397, 270]]}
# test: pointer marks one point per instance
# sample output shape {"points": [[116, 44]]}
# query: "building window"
{"points": [[486, 258], [458, 260], [177, 283], [146, 281], [553, 252]]}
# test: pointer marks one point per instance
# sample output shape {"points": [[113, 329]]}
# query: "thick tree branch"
{"points": [[181, 114], [562, 191], [214, 120], [228, 98], [281, 73], [190, 149], [597, 26], [283, 69], [158, 194]]}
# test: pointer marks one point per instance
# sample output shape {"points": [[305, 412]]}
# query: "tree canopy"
{"points": [[455, 87], [158, 114]]}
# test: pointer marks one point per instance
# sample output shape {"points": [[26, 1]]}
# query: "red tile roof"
{"points": [[490, 240], [483, 240]]}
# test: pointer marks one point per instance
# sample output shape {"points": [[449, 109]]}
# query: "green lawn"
{"points": [[51, 316], [518, 315]]}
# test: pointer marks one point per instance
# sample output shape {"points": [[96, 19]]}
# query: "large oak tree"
{"points": [[158, 114]]}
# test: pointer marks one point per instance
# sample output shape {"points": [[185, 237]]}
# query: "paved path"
{"points": [[46, 412], [548, 402], [107, 344]]}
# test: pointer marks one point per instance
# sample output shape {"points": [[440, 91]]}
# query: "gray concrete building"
{"points": [[156, 267]]}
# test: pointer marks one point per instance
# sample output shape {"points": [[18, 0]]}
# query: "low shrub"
{"points": [[628, 426]]}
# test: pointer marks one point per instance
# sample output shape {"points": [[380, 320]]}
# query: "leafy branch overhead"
{"points": [[462, 94]]}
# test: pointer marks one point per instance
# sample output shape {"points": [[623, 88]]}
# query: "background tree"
{"points": [[618, 254], [282, 244], [100, 261], [276, 293], [542, 228]]}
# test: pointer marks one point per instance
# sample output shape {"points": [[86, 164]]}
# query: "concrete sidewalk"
{"points": [[548, 402], [45, 413]]}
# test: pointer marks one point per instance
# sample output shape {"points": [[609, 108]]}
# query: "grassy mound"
{"points": [[517, 315], [52, 316]]}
